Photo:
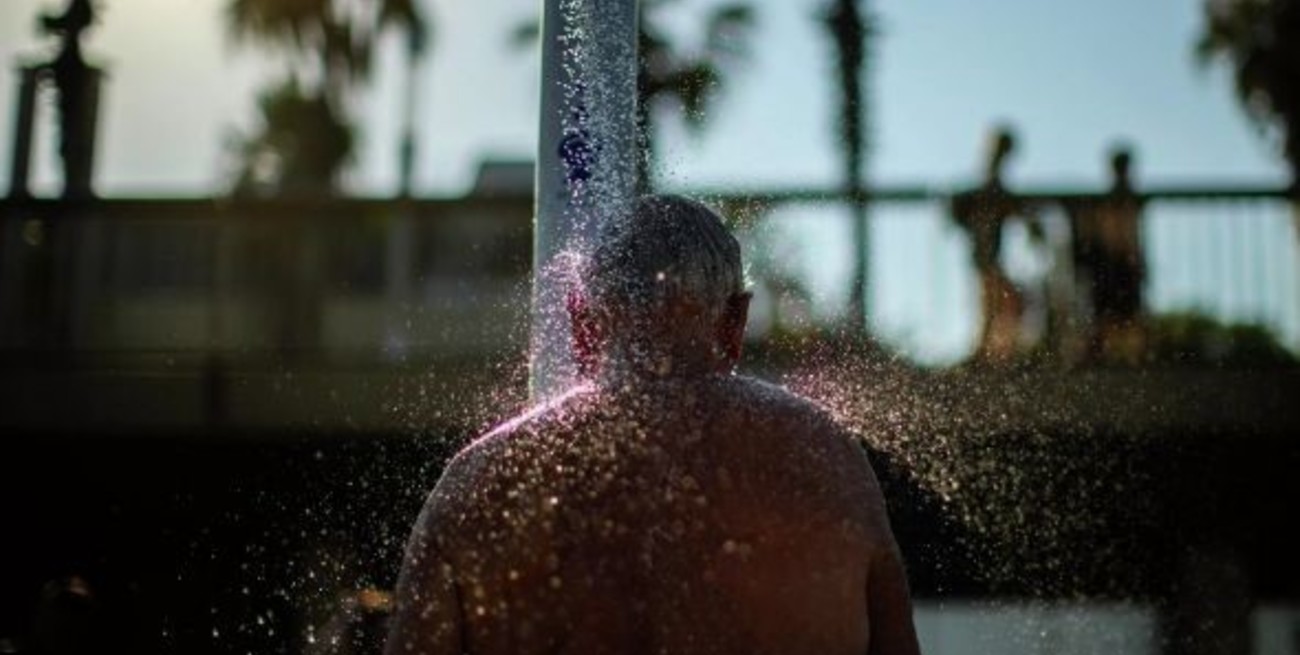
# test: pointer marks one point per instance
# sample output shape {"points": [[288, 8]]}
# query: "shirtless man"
{"points": [[665, 505]]}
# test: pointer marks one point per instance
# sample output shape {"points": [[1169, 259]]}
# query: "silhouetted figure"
{"points": [[665, 504], [77, 85], [1109, 263], [983, 212]]}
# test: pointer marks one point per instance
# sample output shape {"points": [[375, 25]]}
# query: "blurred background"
{"points": [[264, 265]]}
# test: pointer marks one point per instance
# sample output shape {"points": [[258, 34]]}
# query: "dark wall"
{"points": [[254, 542], [204, 544]]}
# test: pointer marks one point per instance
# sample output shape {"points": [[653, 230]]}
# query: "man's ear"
{"points": [[584, 333], [731, 330]]}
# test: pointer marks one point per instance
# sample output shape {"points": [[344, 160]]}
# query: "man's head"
{"points": [[1121, 163], [663, 292], [1002, 143]]}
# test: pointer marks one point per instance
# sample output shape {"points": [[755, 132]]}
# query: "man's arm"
{"points": [[889, 606], [889, 603], [427, 618]]}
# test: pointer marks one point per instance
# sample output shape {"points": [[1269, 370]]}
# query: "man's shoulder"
{"points": [[771, 410], [472, 477], [733, 397], [766, 398], [529, 426], [814, 449]]}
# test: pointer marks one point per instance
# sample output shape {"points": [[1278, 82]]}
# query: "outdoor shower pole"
{"points": [[586, 161]]}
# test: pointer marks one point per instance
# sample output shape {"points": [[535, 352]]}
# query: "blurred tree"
{"points": [[673, 75], [1197, 338], [1260, 39], [300, 149], [689, 80], [305, 138], [850, 28], [772, 258]]}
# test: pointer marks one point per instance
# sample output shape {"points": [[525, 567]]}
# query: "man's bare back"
{"points": [[716, 515], [664, 505]]}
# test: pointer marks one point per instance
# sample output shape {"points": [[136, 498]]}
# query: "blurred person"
{"points": [[664, 504], [1111, 267], [983, 212]]}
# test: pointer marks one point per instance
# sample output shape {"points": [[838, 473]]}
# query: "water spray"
{"points": [[586, 161]]}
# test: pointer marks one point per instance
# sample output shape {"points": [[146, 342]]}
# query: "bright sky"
{"points": [[1072, 76]]}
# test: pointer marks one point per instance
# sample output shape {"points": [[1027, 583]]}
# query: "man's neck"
{"points": [[630, 366]]}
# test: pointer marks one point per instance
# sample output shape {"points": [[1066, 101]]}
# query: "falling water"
{"points": [[1037, 498], [586, 159]]}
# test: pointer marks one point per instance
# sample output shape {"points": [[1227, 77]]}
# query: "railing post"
{"points": [[24, 128], [77, 144]]}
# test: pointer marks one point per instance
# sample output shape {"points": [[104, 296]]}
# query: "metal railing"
{"points": [[389, 279], [339, 278], [1213, 255]]}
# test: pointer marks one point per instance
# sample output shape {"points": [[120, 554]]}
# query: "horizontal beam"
{"points": [[324, 208]]}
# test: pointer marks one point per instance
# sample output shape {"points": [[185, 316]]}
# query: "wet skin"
{"points": [[714, 514]]}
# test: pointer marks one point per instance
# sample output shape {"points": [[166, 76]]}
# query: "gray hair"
{"points": [[669, 249]]}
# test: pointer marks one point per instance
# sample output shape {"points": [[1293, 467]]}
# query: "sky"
{"points": [[1073, 77]]}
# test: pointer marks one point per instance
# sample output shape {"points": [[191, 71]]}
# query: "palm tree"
{"points": [[688, 81], [1260, 40], [850, 29], [672, 77], [305, 139], [301, 148]]}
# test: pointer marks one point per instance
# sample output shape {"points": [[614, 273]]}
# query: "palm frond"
{"points": [[405, 15], [1260, 41], [274, 22], [694, 87], [301, 146], [730, 29], [526, 34]]}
